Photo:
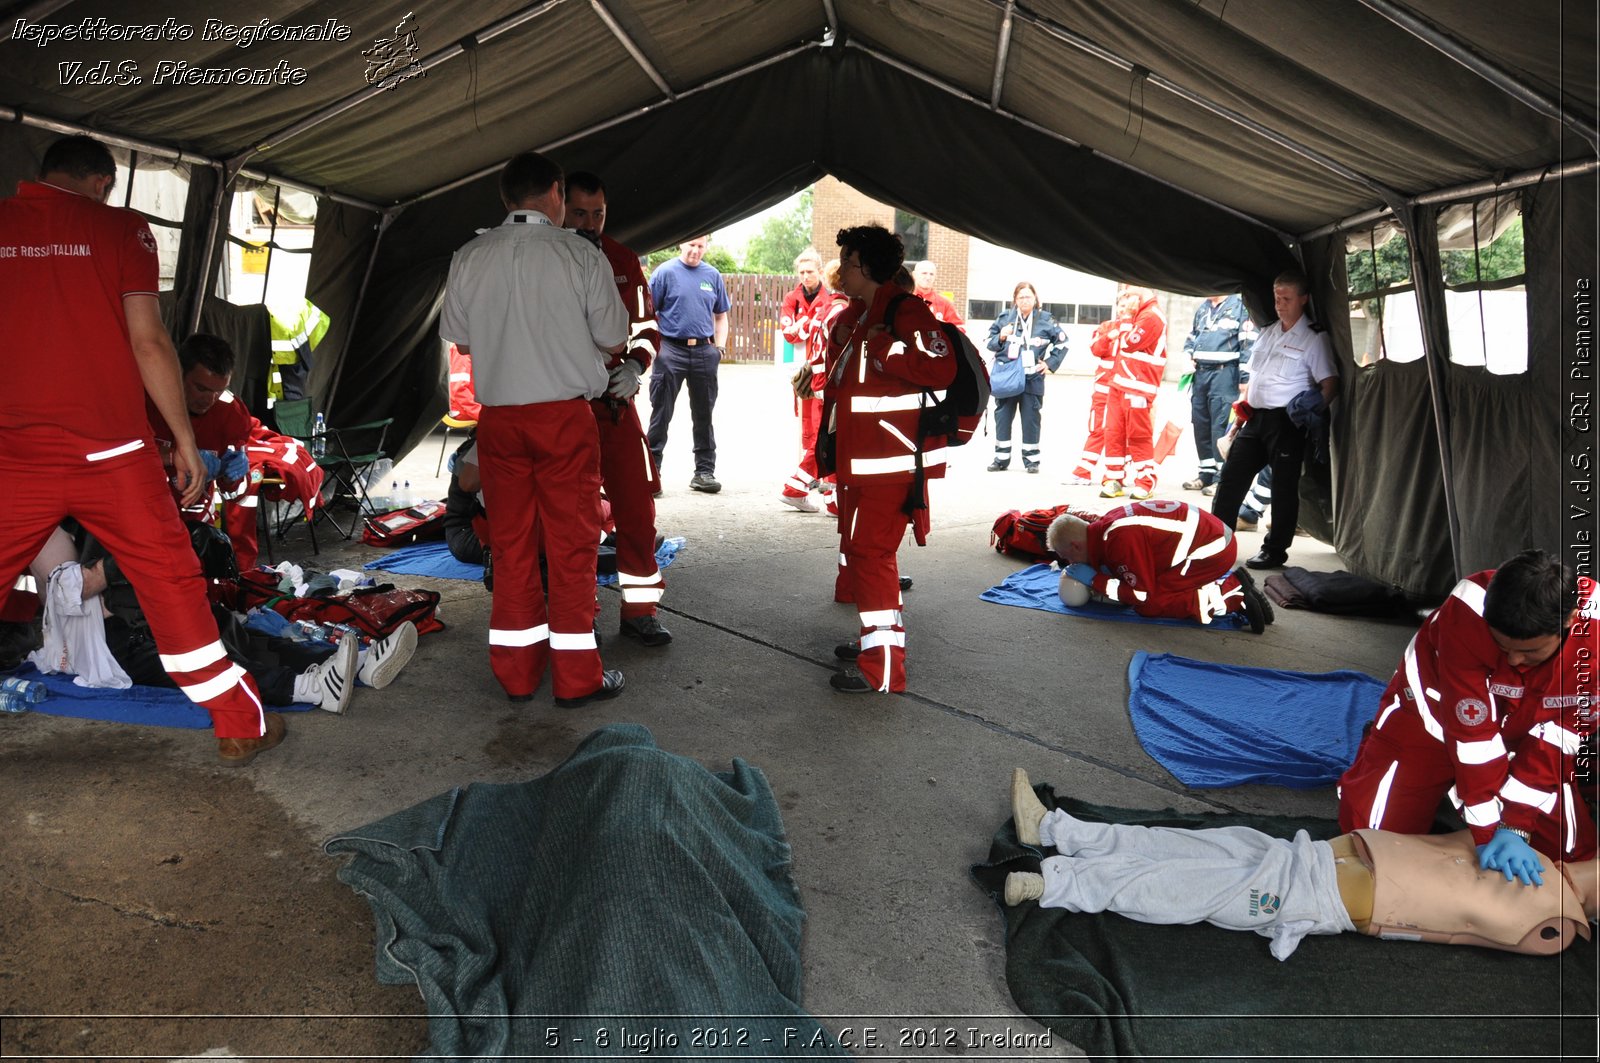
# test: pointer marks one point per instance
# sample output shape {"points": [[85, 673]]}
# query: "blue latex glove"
{"points": [[212, 463], [235, 466], [1509, 854], [1083, 573]]}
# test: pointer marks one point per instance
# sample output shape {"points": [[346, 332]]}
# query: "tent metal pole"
{"points": [[372, 92], [384, 221], [1002, 51], [161, 151], [204, 280], [962, 94], [833, 18], [632, 48], [618, 120], [1491, 72], [1462, 193], [1067, 36]]}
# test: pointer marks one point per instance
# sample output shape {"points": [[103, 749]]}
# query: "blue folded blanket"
{"points": [[1214, 725], [435, 560], [1037, 587], [148, 706]]}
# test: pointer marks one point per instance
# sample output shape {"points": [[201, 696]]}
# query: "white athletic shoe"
{"points": [[384, 658], [335, 678], [803, 503]]}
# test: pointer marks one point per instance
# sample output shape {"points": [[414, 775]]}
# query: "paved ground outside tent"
{"points": [[140, 879]]}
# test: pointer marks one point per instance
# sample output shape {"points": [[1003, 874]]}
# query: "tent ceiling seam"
{"points": [[637, 112], [372, 92], [1002, 51], [1068, 36], [1485, 68], [632, 48], [960, 93]]}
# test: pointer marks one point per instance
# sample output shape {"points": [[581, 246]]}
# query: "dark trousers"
{"points": [[1211, 397], [272, 662], [1268, 438], [1005, 410], [675, 365]]}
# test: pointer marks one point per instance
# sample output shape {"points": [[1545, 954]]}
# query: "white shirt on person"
{"points": [[1285, 362], [536, 305]]}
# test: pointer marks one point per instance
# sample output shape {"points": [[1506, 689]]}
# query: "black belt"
{"points": [[688, 341], [1214, 365]]}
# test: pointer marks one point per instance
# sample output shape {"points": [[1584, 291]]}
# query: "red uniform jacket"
{"points": [[1142, 355], [1158, 549], [875, 392], [277, 455], [942, 308], [463, 400], [1107, 336], [1512, 735], [801, 321], [644, 339], [226, 424]]}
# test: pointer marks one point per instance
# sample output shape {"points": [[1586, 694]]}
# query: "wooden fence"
{"points": [[755, 300]]}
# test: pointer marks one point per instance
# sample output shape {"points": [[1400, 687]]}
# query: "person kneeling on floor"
{"points": [[1164, 559]]}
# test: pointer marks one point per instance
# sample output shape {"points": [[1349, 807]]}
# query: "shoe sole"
{"points": [[804, 505], [239, 762], [603, 694], [385, 671], [1254, 597], [705, 489], [1022, 797]]}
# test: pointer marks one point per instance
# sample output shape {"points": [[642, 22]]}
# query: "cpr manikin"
{"points": [[1385, 885]]}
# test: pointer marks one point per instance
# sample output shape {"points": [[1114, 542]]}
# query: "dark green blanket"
{"points": [[630, 898], [1116, 987]]}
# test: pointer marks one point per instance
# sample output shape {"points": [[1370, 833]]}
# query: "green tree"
{"points": [[774, 246], [715, 256], [1392, 263]]}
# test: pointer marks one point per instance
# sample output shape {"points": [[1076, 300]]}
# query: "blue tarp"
{"points": [[434, 559], [1037, 587], [1214, 725]]}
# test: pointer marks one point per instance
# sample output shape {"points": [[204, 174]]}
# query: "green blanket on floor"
{"points": [[629, 902], [1115, 987]]}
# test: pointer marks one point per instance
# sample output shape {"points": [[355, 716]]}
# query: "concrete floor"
{"points": [[887, 800]]}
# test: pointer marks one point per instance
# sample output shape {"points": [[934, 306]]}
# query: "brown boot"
{"points": [[237, 752]]}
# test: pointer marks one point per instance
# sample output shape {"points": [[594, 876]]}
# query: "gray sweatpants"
{"points": [[1233, 877]]}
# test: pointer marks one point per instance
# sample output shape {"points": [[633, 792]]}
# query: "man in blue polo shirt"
{"points": [[692, 312]]}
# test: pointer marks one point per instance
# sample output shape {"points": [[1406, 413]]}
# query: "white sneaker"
{"points": [[803, 503], [383, 660], [334, 678], [1023, 886]]}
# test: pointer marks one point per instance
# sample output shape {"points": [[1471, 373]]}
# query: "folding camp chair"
{"points": [[450, 422], [349, 452]]}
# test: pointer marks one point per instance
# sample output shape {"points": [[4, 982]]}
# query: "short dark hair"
{"points": [[880, 251], [1292, 278], [203, 349], [78, 156], [529, 174], [586, 181], [1531, 596]]}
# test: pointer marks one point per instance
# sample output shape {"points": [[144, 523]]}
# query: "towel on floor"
{"points": [[147, 706], [1038, 587], [1214, 725], [1115, 987], [628, 888], [435, 560]]}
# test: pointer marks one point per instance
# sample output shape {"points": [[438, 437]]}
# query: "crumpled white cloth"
{"points": [[75, 634]]}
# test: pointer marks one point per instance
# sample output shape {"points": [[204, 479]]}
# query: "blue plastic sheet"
{"points": [[435, 560], [147, 706], [1037, 587], [1215, 725]]}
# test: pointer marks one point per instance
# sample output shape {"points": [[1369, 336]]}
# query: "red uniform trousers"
{"points": [[1129, 439], [124, 501], [1094, 446], [1401, 773], [541, 463], [629, 474], [1196, 603], [798, 485], [872, 522], [239, 520]]}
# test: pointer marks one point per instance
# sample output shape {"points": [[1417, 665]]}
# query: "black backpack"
{"points": [[957, 415]]}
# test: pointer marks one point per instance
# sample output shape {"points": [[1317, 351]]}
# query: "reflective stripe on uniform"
{"points": [[194, 660], [1483, 752], [882, 637], [1516, 790], [581, 640], [882, 618], [215, 686], [126, 448], [527, 636]]}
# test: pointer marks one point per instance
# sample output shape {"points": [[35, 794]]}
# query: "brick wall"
{"points": [[835, 205]]}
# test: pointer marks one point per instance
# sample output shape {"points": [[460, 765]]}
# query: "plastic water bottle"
{"points": [[394, 495], [319, 437], [13, 703], [407, 499], [29, 690]]}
